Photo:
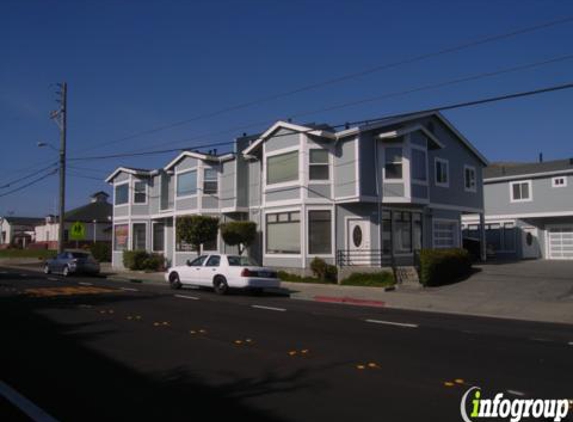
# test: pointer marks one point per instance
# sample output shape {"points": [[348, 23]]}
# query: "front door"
{"points": [[529, 242], [358, 242]]}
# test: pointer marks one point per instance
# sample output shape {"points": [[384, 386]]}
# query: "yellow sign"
{"points": [[78, 231]]}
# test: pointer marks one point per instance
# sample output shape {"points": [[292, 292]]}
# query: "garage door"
{"points": [[561, 243]]}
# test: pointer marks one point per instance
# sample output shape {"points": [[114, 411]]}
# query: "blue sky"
{"points": [[135, 65]]}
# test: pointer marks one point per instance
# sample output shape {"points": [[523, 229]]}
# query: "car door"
{"points": [[189, 274], [209, 270], [58, 264]]}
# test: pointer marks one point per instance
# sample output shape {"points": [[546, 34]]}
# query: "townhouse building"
{"points": [[372, 194], [528, 210]]}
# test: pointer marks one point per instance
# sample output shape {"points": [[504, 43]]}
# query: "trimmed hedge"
{"points": [[141, 260], [294, 278], [322, 270], [101, 251], [443, 266], [378, 279]]}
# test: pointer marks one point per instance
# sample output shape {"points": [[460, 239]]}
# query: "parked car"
{"points": [[222, 272], [72, 262]]}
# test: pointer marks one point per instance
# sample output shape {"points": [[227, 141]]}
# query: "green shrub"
{"points": [[101, 251], [286, 276], [141, 260], [239, 233], [443, 266], [322, 270], [378, 279]]}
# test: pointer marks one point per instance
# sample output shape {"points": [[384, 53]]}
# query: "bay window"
{"points": [[282, 168], [283, 233], [393, 163], [122, 194], [187, 183]]}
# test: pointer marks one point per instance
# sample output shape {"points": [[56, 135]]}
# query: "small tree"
{"points": [[239, 233], [197, 229]]}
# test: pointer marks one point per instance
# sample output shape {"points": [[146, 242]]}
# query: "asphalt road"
{"points": [[85, 349]]}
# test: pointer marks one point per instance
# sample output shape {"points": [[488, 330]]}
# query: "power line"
{"points": [[349, 76], [365, 121], [28, 176], [33, 182]]}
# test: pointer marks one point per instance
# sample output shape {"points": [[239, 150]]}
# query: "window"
{"points": [[139, 238], [559, 182], [241, 261], [158, 237], [120, 237], [520, 191], [122, 194], [283, 233], [470, 179], [318, 165], [210, 185], [442, 172], [393, 164], [187, 183], [282, 168], [140, 192], [419, 165], [402, 232], [319, 232], [445, 234], [197, 262], [213, 261]]}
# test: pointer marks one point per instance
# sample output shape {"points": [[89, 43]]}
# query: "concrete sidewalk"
{"points": [[495, 291]]}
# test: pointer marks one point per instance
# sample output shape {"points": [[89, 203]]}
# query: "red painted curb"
{"points": [[349, 300]]}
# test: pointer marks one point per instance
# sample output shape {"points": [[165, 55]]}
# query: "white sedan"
{"points": [[222, 272]]}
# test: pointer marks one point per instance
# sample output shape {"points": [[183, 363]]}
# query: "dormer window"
{"points": [[140, 192], [318, 165], [282, 168]]}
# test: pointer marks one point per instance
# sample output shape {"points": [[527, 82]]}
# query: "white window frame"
{"points": [[146, 192], [332, 232], [177, 174], [126, 182], [328, 163], [290, 183], [402, 163], [445, 162], [474, 188], [301, 234], [216, 193], [555, 179], [520, 182], [456, 236], [153, 224], [132, 233]]}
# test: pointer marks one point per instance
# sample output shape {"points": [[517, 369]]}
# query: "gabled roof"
{"points": [[409, 129], [506, 171], [199, 156], [101, 212], [130, 170], [316, 130], [24, 221]]}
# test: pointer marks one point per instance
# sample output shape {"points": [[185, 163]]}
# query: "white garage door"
{"points": [[561, 243]]}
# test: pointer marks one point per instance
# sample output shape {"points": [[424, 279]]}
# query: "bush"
{"points": [[443, 266], [139, 260], [101, 251], [294, 278], [378, 279], [322, 270], [239, 233]]}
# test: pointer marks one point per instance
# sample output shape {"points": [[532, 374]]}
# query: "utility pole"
{"points": [[60, 117]]}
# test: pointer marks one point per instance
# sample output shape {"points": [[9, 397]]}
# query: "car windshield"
{"points": [[80, 255], [241, 261]]}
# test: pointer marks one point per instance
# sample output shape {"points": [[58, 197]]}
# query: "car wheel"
{"points": [[174, 281], [220, 285], [47, 269], [66, 271]]}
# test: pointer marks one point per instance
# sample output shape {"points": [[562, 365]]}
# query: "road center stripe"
{"points": [[129, 289], [25, 405], [397, 324], [269, 308], [186, 297], [83, 283]]}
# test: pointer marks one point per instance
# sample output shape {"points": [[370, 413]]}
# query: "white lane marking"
{"points": [[129, 289], [397, 324], [570, 343], [83, 283], [25, 405], [543, 340], [516, 393], [269, 308], [186, 297]]}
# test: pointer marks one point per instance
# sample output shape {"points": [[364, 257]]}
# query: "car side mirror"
{"points": [[188, 262]]}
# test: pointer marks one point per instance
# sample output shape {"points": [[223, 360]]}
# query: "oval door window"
{"points": [[357, 236], [529, 239]]}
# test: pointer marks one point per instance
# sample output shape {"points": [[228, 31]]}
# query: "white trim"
{"points": [[357, 166], [385, 179], [520, 182], [129, 171], [470, 189], [407, 130], [300, 210], [348, 236], [146, 192], [531, 215], [445, 161], [282, 151], [197, 155], [555, 179], [529, 175]]}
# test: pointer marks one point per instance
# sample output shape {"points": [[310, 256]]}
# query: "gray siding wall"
{"points": [[167, 190], [186, 163], [140, 210], [154, 194], [282, 138], [228, 181], [121, 211], [186, 204], [319, 192], [345, 169], [282, 194], [367, 159], [419, 191], [255, 181], [242, 182], [121, 177], [210, 202], [392, 189], [545, 198], [169, 233]]}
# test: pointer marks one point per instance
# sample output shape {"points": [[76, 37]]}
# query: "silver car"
{"points": [[72, 262]]}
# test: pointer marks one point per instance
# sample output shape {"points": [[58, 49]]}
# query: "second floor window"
{"points": [[442, 172], [122, 194], [282, 168], [520, 191], [393, 164], [139, 193], [318, 165], [210, 185], [187, 183]]}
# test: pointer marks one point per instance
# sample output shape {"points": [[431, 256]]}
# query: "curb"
{"points": [[350, 301]]}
